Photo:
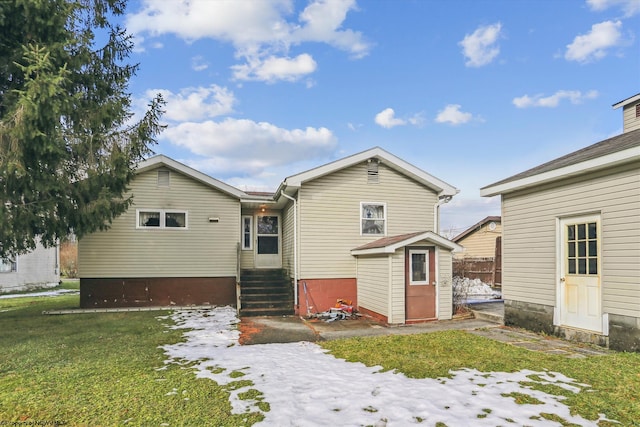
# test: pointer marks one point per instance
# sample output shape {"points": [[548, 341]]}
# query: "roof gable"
{"points": [[441, 187], [388, 245], [620, 149], [161, 160], [627, 101]]}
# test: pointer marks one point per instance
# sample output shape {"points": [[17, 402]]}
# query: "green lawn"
{"points": [[99, 369], [102, 369]]}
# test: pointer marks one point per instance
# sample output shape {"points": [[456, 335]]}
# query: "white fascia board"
{"points": [[190, 172], [389, 159], [626, 101], [428, 236], [609, 160]]}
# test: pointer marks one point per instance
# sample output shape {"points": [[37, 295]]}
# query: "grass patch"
{"points": [[523, 399], [99, 369], [614, 378]]}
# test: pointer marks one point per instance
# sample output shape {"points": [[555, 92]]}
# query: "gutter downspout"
{"points": [[436, 212], [295, 247]]}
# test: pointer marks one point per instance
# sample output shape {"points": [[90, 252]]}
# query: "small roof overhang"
{"points": [[292, 183], [388, 245], [162, 160], [627, 101]]}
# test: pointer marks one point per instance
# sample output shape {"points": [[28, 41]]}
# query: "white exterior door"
{"points": [[580, 293], [268, 237]]}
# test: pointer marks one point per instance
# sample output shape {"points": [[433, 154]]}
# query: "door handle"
{"points": [[562, 279]]}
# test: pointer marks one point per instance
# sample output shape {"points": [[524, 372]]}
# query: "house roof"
{"points": [[295, 181], [627, 101], [388, 245], [614, 151], [162, 160], [476, 227]]}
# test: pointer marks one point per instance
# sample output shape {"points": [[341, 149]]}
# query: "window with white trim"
{"points": [[8, 265], [418, 267], [161, 218], [247, 232], [373, 218]]}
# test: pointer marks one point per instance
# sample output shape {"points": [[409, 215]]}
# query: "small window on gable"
{"points": [[372, 171], [164, 178], [638, 110], [373, 218], [8, 265]]}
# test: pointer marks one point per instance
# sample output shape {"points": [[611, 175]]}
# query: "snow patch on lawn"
{"points": [[53, 293], [306, 386]]}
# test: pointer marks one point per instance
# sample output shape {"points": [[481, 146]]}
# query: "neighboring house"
{"points": [[363, 228], [34, 270], [479, 240], [571, 241], [481, 257]]}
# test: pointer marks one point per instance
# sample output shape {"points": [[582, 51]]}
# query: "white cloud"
{"points": [[480, 48], [231, 145], [451, 114], [198, 63], [272, 69], [196, 103], [552, 101], [630, 7], [386, 118], [593, 45], [262, 32]]}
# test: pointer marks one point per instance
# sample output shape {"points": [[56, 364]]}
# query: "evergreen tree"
{"points": [[68, 146]]}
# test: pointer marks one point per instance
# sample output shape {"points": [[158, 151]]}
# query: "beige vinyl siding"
{"points": [[481, 243], [330, 216], [445, 284], [630, 121], [205, 249], [398, 292], [373, 283], [530, 237], [288, 231]]}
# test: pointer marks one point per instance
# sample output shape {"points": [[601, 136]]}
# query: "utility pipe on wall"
{"points": [[295, 246]]}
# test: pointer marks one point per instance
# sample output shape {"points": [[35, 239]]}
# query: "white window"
{"points": [[247, 232], [8, 265], [160, 218], [418, 267], [373, 218]]}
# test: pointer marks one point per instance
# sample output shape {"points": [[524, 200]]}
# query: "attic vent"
{"points": [[163, 178], [372, 172], [638, 110]]}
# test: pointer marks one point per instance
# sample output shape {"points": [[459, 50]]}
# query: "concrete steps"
{"points": [[265, 292]]}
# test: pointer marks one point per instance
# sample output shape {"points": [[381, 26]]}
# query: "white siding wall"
{"points": [[287, 239], [36, 269], [530, 236], [330, 216], [204, 250], [445, 284], [630, 121], [373, 283]]}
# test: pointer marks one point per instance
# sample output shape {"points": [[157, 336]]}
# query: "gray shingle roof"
{"points": [[608, 146]]}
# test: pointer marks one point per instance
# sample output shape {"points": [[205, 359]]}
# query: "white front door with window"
{"points": [[580, 294], [268, 238]]}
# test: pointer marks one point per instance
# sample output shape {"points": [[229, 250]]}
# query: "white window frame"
{"points": [[384, 218], [162, 213], [426, 257], [243, 232], [13, 265]]}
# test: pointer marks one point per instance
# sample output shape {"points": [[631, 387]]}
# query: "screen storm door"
{"points": [[420, 292], [268, 241], [580, 266]]}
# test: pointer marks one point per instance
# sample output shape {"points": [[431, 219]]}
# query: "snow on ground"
{"points": [[53, 293], [305, 386], [474, 290]]}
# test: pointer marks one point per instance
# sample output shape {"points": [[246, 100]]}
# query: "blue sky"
{"points": [[471, 91]]}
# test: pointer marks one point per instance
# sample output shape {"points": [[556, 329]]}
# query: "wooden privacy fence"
{"points": [[485, 269]]}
